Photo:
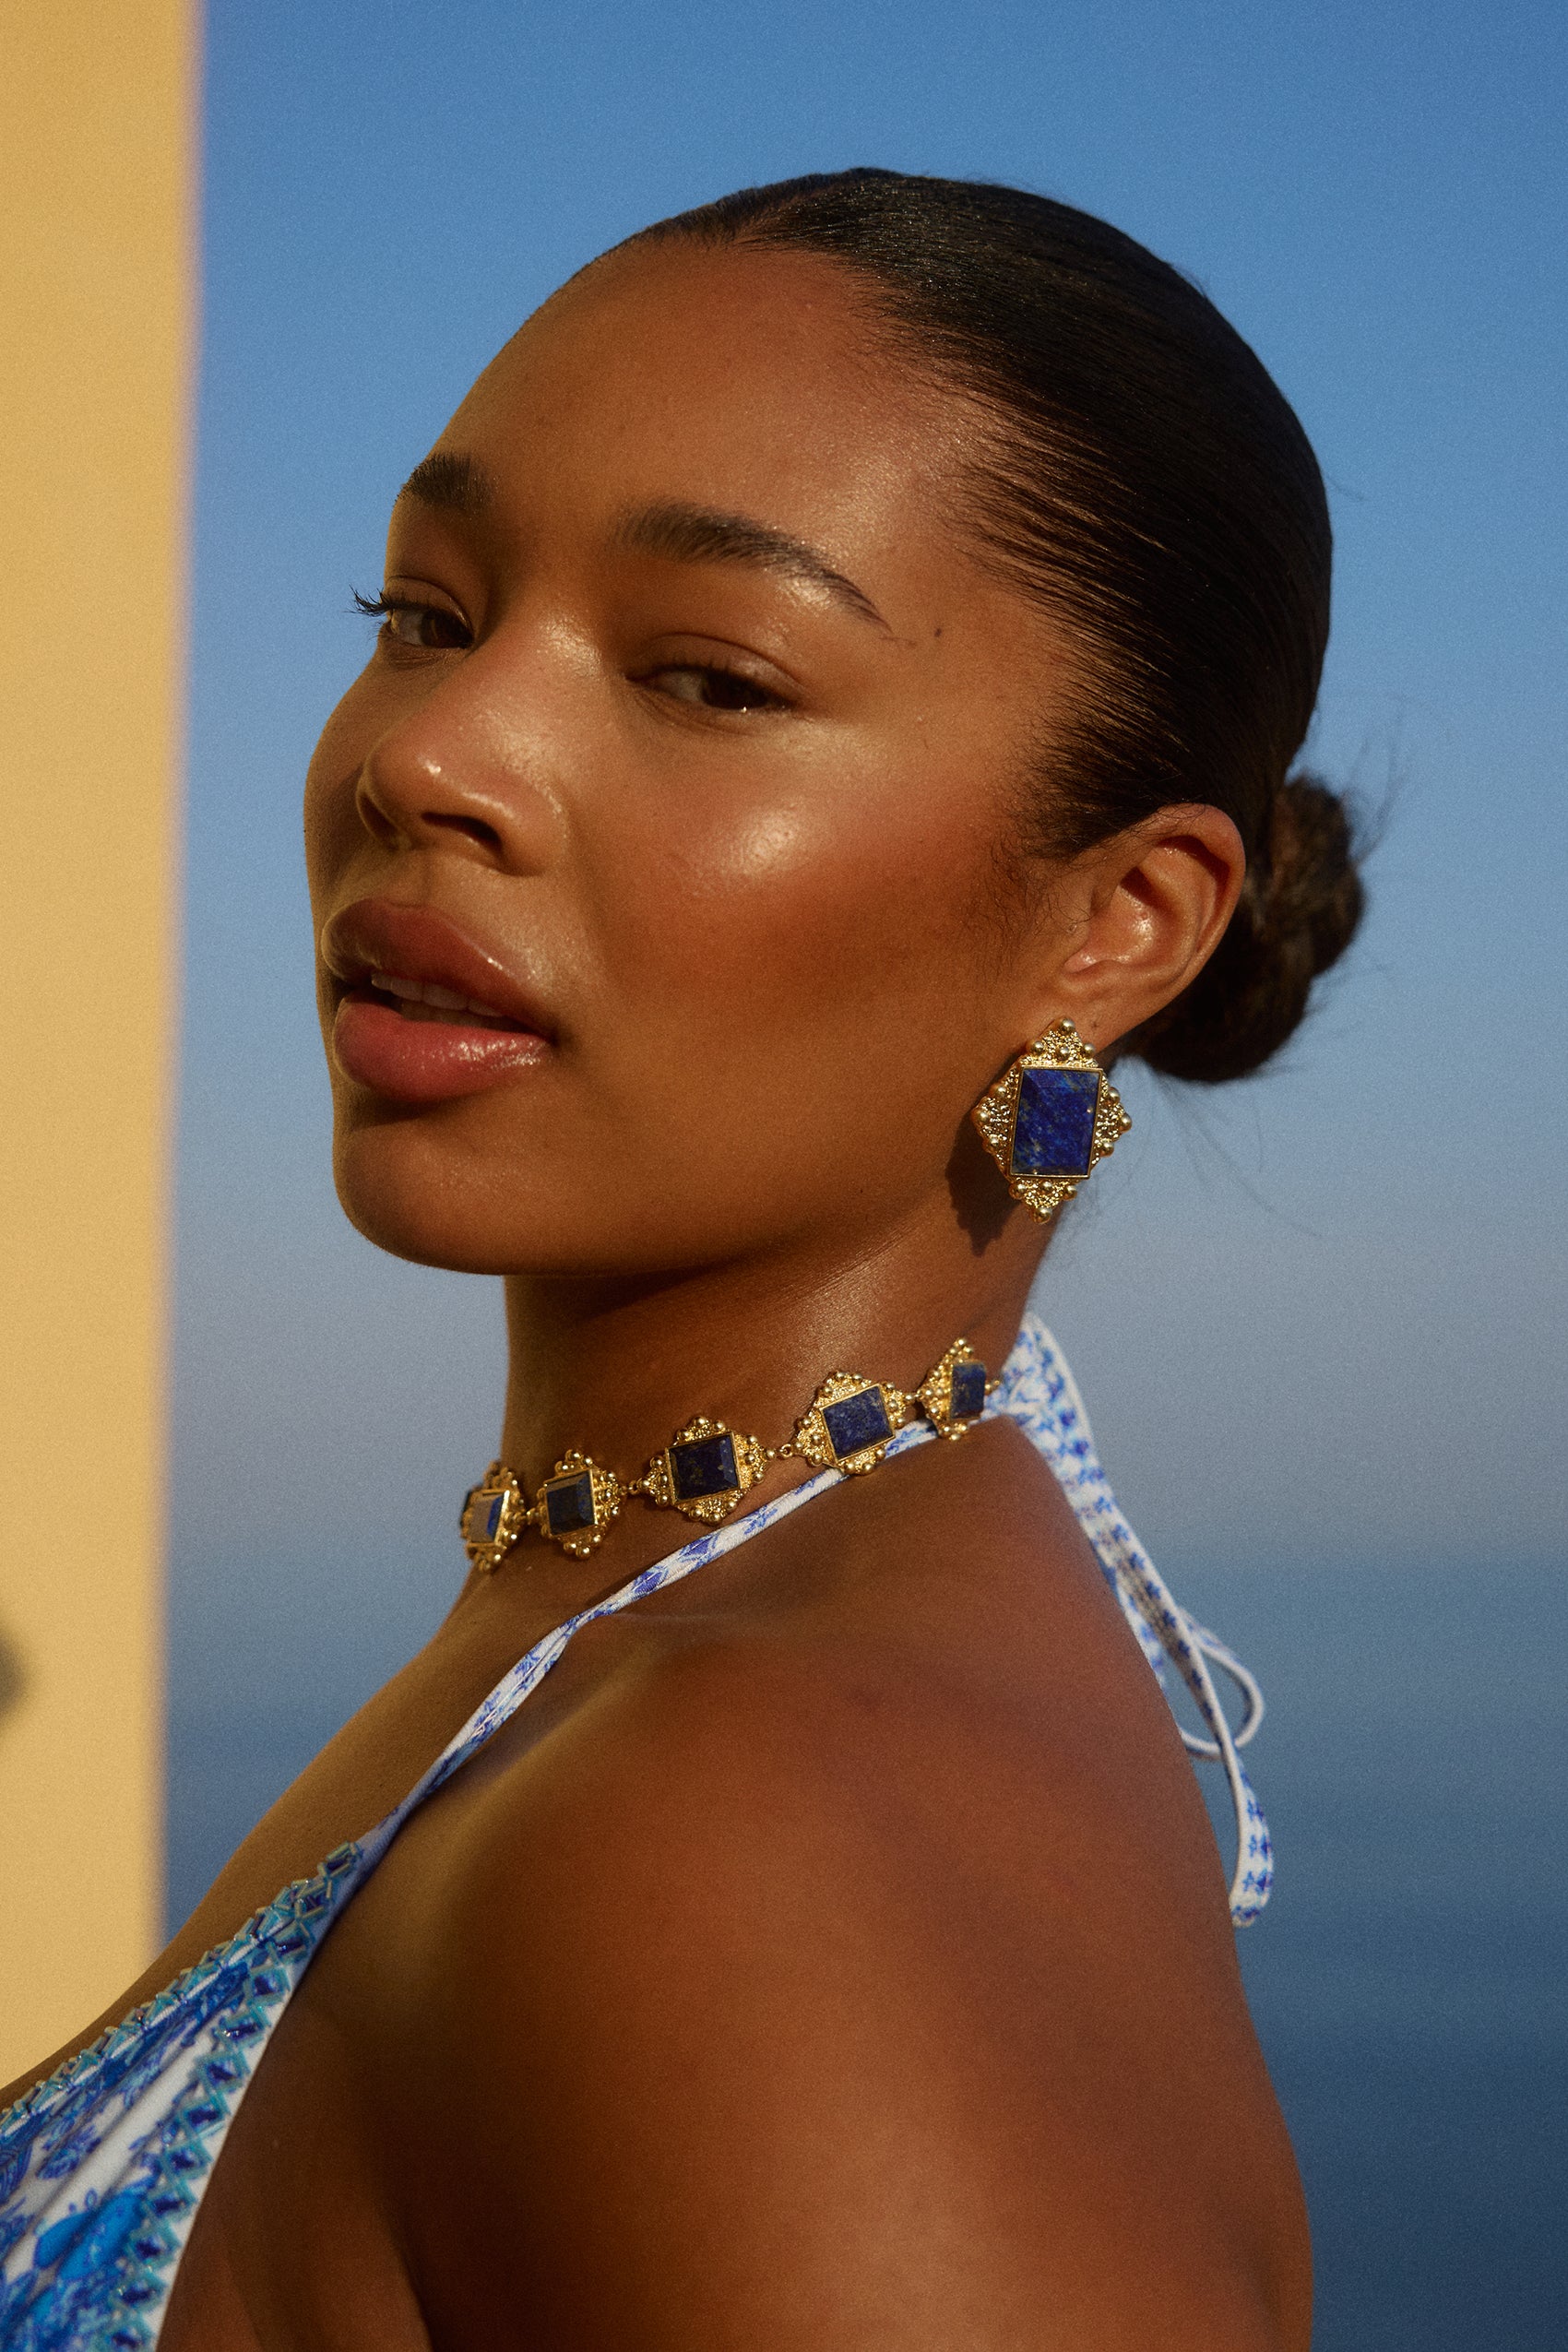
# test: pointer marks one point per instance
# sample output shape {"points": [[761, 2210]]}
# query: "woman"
{"points": [[852, 636]]}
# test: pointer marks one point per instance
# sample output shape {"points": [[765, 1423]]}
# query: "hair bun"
{"points": [[1298, 912]]}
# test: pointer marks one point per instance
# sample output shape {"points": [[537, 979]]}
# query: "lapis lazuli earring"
{"points": [[1049, 1118]]}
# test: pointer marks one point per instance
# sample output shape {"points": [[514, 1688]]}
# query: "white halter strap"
{"points": [[1039, 1392]]}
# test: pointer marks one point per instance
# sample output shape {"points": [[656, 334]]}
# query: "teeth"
{"points": [[441, 1000]]}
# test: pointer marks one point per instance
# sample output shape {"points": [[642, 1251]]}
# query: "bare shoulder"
{"points": [[829, 1990]]}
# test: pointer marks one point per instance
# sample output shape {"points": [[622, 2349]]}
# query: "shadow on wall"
{"points": [[13, 1676]]}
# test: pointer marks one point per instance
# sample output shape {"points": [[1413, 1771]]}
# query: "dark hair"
{"points": [[1149, 481]]}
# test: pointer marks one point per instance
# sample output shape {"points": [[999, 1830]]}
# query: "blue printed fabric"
{"points": [[102, 2166]]}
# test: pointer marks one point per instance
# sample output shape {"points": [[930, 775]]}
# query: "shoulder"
{"points": [[742, 2007], [734, 1792]]}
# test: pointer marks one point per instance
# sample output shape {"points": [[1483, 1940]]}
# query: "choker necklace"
{"points": [[707, 1468]]}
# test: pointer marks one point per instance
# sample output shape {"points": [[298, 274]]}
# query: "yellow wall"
{"points": [[96, 168]]}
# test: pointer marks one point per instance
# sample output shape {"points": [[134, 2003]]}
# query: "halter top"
{"points": [[102, 2166]]}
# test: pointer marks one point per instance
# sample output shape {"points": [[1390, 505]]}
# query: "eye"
{"points": [[408, 624], [710, 686], [426, 626]]}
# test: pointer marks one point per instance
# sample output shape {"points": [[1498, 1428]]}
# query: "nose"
{"points": [[469, 766]]}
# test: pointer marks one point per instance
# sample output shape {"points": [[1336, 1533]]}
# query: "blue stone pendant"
{"points": [[576, 1503], [703, 1470], [849, 1421], [1050, 1117], [492, 1517], [953, 1391]]}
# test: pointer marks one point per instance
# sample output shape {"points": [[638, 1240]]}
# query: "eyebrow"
{"points": [[688, 534], [450, 478], [669, 527]]}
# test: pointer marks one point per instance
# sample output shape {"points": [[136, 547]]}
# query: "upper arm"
{"points": [[728, 2041]]}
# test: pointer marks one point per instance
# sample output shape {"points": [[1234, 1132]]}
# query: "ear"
{"points": [[1142, 913]]}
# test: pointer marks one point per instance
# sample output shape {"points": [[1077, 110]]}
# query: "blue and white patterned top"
{"points": [[102, 2166]]}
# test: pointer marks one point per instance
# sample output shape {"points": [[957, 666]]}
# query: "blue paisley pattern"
{"points": [[102, 2166]]}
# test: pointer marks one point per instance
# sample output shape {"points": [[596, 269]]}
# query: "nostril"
{"points": [[473, 828]]}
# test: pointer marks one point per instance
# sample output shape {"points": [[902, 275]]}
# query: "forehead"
{"points": [[732, 376]]}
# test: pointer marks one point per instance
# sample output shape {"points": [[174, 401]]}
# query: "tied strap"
{"points": [[1039, 1392]]}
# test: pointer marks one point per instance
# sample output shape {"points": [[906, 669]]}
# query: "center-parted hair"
{"points": [[1148, 482]]}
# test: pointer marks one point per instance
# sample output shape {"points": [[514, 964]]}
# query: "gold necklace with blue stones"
{"points": [[707, 1468]]}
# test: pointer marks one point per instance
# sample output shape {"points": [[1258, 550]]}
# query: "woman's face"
{"points": [[686, 750]]}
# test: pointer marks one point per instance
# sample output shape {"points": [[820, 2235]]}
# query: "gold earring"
{"points": [[1049, 1118]]}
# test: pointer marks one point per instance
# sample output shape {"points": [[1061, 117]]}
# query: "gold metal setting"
{"points": [[494, 1515], [996, 1115], [936, 1391], [659, 1480], [813, 1432], [564, 1489]]}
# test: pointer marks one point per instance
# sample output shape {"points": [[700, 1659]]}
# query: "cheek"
{"points": [[330, 824], [786, 949], [791, 897]]}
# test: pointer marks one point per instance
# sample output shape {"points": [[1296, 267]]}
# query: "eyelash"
{"points": [[384, 606]]}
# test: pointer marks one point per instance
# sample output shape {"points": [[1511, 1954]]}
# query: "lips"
{"points": [[425, 1013]]}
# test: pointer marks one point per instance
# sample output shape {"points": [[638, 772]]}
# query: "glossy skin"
{"points": [[781, 1976]]}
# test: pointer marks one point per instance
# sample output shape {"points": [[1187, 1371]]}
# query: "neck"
{"points": [[614, 1367]]}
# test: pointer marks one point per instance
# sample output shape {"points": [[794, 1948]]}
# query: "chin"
{"points": [[419, 1189], [404, 1187]]}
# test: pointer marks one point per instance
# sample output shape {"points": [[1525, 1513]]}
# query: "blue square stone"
{"points": [[968, 1390], [1054, 1134], [859, 1421], [480, 1517], [568, 1504], [704, 1466]]}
